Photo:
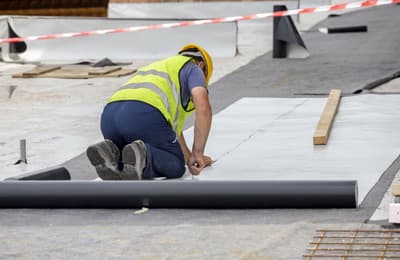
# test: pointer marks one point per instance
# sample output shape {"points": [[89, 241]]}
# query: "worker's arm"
{"points": [[197, 160], [187, 153], [184, 147]]}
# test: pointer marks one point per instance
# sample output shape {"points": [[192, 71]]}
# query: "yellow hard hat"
{"points": [[192, 48]]}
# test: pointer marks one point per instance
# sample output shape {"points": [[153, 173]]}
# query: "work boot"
{"points": [[134, 160], [104, 156]]}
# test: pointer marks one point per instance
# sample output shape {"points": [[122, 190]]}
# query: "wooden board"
{"points": [[54, 8], [77, 11], [396, 189], [104, 70], [79, 72], [324, 126], [39, 70]]}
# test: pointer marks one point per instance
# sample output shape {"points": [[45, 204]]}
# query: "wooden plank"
{"points": [[78, 11], [324, 126], [39, 70], [77, 72], [396, 189], [103, 70], [120, 73]]}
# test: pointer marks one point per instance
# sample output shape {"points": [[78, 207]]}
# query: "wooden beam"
{"points": [[324, 126], [39, 70], [396, 189], [78, 11], [103, 70], [79, 72]]}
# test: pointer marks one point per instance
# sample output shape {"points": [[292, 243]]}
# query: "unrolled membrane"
{"points": [[53, 174], [126, 46], [178, 194]]}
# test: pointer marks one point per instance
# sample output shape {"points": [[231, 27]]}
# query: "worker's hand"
{"points": [[207, 160], [196, 164]]}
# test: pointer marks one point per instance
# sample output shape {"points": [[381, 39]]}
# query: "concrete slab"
{"points": [[392, 86], [142, 240]]}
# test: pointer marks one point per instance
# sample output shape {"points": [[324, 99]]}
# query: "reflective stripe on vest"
{"points": [[156, 89], [152, 87], [161, 79]]}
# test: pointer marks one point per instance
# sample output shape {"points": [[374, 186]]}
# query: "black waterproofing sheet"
{"points": [[178, 194]]}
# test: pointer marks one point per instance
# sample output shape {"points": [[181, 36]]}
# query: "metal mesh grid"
{"points": [[355, 244]]}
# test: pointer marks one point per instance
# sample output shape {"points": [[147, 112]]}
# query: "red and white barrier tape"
{"points": [[309, 10]]}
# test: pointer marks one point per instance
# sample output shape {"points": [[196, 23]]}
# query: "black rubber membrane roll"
{"points": [[178, 194], [348, 29], [54, 174]]}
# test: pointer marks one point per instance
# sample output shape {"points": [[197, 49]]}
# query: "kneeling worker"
{"points": [[142, 122]]}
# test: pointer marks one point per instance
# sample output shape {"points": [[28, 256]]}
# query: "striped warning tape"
{"points": [[308, 10]]}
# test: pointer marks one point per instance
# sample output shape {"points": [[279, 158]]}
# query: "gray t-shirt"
{"points": [[190, 76]]}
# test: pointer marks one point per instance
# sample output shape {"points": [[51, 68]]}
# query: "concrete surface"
{"points": [[392, 86], [342, 61], [381, 215]]}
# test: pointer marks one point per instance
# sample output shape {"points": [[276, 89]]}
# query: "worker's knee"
{"points": [[176, 170]]}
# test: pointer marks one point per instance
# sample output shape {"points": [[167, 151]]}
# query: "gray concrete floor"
{"points": [[344, 61]]}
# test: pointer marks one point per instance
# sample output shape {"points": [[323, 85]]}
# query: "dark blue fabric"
{"points": [[126, 121]]}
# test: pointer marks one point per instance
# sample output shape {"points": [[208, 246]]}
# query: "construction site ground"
{"points": [[59, 118]]}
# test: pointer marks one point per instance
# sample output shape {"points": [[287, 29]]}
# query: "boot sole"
{"points": [[96, 154], [130, 154]]}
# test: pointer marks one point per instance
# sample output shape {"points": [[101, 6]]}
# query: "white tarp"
{"points": [[271, 139], [219, 39], [195, 10]]}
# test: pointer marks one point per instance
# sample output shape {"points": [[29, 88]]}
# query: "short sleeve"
{"points": [[190, 76]]}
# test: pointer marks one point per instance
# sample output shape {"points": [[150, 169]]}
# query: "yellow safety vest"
{"points": [[158, 85]]}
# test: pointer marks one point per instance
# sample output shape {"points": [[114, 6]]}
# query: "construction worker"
{"points": [[142, 122]]}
